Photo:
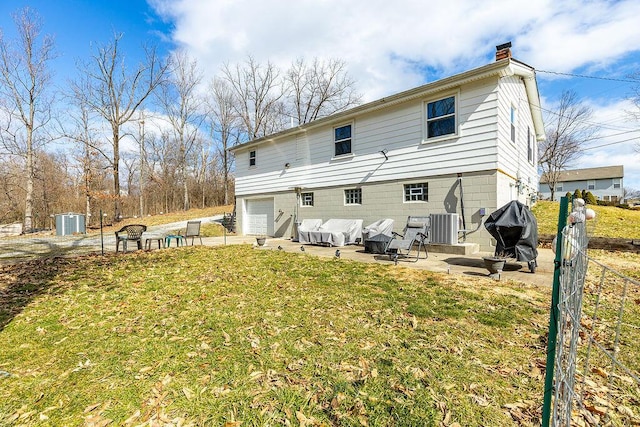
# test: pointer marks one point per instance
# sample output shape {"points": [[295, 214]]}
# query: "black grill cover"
{"points": [[516, 231]]}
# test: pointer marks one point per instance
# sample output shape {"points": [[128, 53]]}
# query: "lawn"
{"points": [[610, 221], [235, 336]]}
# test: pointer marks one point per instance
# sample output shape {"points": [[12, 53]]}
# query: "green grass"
{"points": [[208, 336], [609, 222]]}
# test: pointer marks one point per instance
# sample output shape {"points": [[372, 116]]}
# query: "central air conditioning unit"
{"points": [[444, 228]]}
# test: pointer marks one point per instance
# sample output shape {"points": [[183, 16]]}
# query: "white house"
{"points": [[605, 183], [465, 144]]}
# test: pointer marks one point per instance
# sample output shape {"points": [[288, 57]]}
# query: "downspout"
{"points": [[464, 224]]}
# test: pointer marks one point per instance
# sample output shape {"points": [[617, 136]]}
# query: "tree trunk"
{"points": [[28, 206], [117, 213]]}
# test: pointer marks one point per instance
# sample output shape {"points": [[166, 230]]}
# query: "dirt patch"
{"points": [[606, 243]]}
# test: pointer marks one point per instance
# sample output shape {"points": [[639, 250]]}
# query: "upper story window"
{"points": [[513, 124], [306, 199], [252, 158], [617, 183], [441, 117], [342, 140], [353, 196], [416, 192], [591, 184], [559, 186]]}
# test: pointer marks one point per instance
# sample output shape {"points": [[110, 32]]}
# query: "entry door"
{"points": [[260, 217]]}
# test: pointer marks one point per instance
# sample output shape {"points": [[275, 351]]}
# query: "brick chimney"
{"points": [[503, 51]]}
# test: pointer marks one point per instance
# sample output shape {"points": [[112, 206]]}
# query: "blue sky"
{"points": [[388, 46]]}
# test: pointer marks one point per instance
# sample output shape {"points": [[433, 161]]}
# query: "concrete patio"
{"points": [[470, 265]]}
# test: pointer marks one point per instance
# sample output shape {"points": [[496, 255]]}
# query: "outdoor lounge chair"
{"points": [[130, 233], [305, 227], [192, 231], [415, 233]]}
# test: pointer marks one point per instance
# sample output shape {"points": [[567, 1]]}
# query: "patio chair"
{"points": [[193, 231], [416, 232], [130, 233]]}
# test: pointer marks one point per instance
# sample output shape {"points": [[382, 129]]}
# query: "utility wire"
{"points": [[610, 143], [589, 77]]}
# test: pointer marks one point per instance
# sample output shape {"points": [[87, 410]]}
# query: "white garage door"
{"points": [[259, 219]]}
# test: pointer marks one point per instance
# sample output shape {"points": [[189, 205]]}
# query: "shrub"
{"points": [[589, 198], [577, 194]]}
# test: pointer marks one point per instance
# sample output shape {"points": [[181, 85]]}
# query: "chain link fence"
{"points": [[597, 351]]}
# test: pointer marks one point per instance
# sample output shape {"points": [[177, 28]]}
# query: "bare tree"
{"points": [[258, 93], [87, 156], [24, 83], [568, 129], [116, 93], [319, 89], [182, 106], [224, 126]]}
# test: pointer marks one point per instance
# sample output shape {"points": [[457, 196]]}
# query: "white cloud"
{"points": [[389, 45], [394, 45]]}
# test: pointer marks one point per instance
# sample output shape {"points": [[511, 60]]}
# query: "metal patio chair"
{"points": [[192, 231], [415, 233]]}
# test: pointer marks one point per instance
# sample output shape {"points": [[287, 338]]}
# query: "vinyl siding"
{"points": [[513, 157], [398, 129]]}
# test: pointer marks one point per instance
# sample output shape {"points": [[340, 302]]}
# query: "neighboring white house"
{"points": [[605, 183], [465, 144]]}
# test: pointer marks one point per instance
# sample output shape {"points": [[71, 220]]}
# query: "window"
{"points": [[252, 158], [416, 192], [353, 196], [513, 124], [306, 199], [529, 145], [591, 184], [559, 186], [342, 140], [441, 117], [616, 183]]}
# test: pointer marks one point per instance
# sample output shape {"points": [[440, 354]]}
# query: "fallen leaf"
{"points": [[188, 393], [601, 372], [91, 407], [133, 417]]}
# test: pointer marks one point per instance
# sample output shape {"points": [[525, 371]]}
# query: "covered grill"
{"points": [[516, 232]]}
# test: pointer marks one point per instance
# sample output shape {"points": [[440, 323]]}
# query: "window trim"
{"points": [[424, 190], [302, 200], [359, 192], [351, 140], [617, 183], [559, 186], [591, 184], [425, 121], [253, 158]]}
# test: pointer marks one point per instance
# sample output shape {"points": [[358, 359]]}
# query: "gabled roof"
{"points": [[606, 172], [502, 68]]}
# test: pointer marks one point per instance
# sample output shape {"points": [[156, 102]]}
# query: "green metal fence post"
{"points": [[553, 316]]}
